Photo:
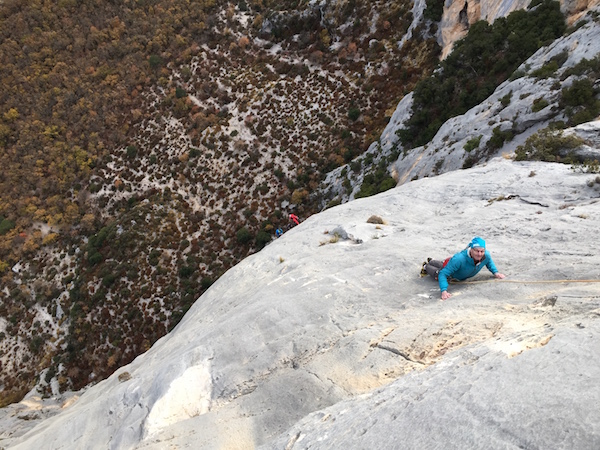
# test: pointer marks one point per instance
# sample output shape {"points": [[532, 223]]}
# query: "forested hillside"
{"points": [[147, 146]]}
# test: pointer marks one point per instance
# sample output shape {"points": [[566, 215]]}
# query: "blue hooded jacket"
{"points": [[461, 266]]}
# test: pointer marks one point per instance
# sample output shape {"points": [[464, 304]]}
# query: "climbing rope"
{"points": [[504, 280]]}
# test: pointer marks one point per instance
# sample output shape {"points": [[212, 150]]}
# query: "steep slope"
{"points": [[457, 16], [335, 308], [242, 120], [532, 98], [481, 397], [147, 147], [530, 101]]}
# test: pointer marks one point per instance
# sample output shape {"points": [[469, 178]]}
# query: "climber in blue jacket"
{"points": [[463, 265]]}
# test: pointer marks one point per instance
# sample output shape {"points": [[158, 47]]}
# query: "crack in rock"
{"points": [[292, 441], [400, 353]]}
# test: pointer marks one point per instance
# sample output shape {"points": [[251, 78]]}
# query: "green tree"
{"points": [[243, 235], [262, 239]]}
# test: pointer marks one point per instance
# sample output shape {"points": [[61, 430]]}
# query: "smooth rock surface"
{"points": [[312, 322]]}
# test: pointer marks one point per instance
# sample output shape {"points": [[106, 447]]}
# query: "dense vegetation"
{"points": [[580, 104], [486, 57], [549, 145], [72, 73], [580, 100]]}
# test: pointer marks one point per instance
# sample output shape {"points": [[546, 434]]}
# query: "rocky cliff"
{"points": [[459, 15], [329, 336], [448, 150], [514, 108]]}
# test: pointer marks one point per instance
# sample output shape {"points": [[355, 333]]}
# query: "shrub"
{"points": [[298, 196], [356, 165], [573, 28], [5, 132], [387, 184], [583, 67], [206, 282], [262, 239], [580, 102], [186, 271], [50, 238], [347, 185], [590, 166], [353, 113], [243, 236], [582, 116], [547, 145], [6, 225], [375, 182], [153, 257], [434, 10], [155, 61], [331, 203], [517, 74], [498, 138], [470, 161], [561, 58], [539, 104], [94, 257], [36, 344], [109, 279], [505, 101], [546, 71], [473, 143], [579, 93], [131, 151]]}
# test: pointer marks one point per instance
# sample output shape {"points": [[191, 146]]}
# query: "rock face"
{"points": [[322, 342], [328, 338], [459, 15], [446, 151], [464, 403], [574, 9]]}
